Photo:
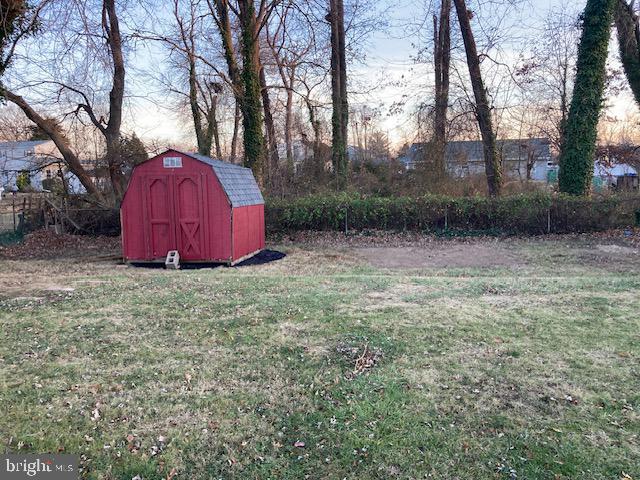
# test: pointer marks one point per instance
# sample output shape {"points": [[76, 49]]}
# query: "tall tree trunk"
{"points": [[220, 11], [340, 115], [578, 150], [315, 125], [214, 130], [254, 141], [61, 141], [116, 95], [342, 52], [564, 104], [442, 62], [211, 134], [202, 135], [272, 141], [203, 110], [288, 122], [629, 44], [236, 132], [482, 108], [288, 81]]}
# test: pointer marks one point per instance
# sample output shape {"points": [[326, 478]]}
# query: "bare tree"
{"points": [[545, 76], [272, 139], [288, 53], [111, 130], [482, 107], [246, 81], [14, 126], [17, 21], [442, 64], [108, 123], [307, 87], [220, 12], [204, 80]]}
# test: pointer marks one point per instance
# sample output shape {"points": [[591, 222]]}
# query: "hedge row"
{"points": [[519, 214]]}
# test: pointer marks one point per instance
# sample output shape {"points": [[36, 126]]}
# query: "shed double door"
{"points": [[174, 216]]}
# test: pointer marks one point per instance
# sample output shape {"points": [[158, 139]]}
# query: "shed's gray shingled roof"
{"points": [[238, 182]]}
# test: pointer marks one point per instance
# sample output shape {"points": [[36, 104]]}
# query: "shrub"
{"points": [[23, 181], [535, 213]]}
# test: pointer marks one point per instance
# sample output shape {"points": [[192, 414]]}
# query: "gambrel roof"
{"points": [[238, 182]]}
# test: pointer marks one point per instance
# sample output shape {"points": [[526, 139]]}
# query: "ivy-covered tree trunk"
{"points": [[340, 117], [254, 141], [342, 53], [579, 145], [629, 44], [220, 12]]}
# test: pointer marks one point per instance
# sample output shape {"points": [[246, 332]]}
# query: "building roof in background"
{"points": [[24, 145], [472, 150], [601, 169], [238, 182], [509, 148], [18, 156]]}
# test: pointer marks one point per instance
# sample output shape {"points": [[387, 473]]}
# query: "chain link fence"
{"points": [[15, 208]]}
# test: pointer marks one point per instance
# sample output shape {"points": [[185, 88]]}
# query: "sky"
{"points": [[389, 73]]}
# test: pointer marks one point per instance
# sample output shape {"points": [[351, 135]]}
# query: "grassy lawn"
{"points": [[324, 366]]}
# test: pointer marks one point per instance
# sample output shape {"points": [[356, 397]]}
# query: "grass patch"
{"points": [[318, 368]]}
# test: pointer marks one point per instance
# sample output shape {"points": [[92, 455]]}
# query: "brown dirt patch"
{"points": [[376, 238], [453, 255]]}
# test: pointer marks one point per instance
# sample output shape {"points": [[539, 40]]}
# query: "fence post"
{"points": [[13, 210], [446, 218], [346, 220], [549, 220]]}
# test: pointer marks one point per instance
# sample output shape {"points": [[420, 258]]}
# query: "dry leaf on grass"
{"points": [[172, 474]]}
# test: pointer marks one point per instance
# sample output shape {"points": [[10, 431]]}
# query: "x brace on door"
{"points": [[190, 228]]}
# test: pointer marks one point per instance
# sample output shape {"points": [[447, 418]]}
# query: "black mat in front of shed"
{"points": [[265, 256], [262, 258]]}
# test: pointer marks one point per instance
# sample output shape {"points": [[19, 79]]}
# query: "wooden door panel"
{"points": [[160, 235], [190, 217]]}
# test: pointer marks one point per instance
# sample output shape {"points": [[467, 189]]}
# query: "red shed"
{"points": [[207, 210]]}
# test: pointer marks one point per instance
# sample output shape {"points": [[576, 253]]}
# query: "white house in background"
{"points": [[522, 159], [618, 176], [300, 150], [40, 159], [37, 158]]}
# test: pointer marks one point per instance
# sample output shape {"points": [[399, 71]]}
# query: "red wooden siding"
{"points": [[248, 230], [185, 209]]}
